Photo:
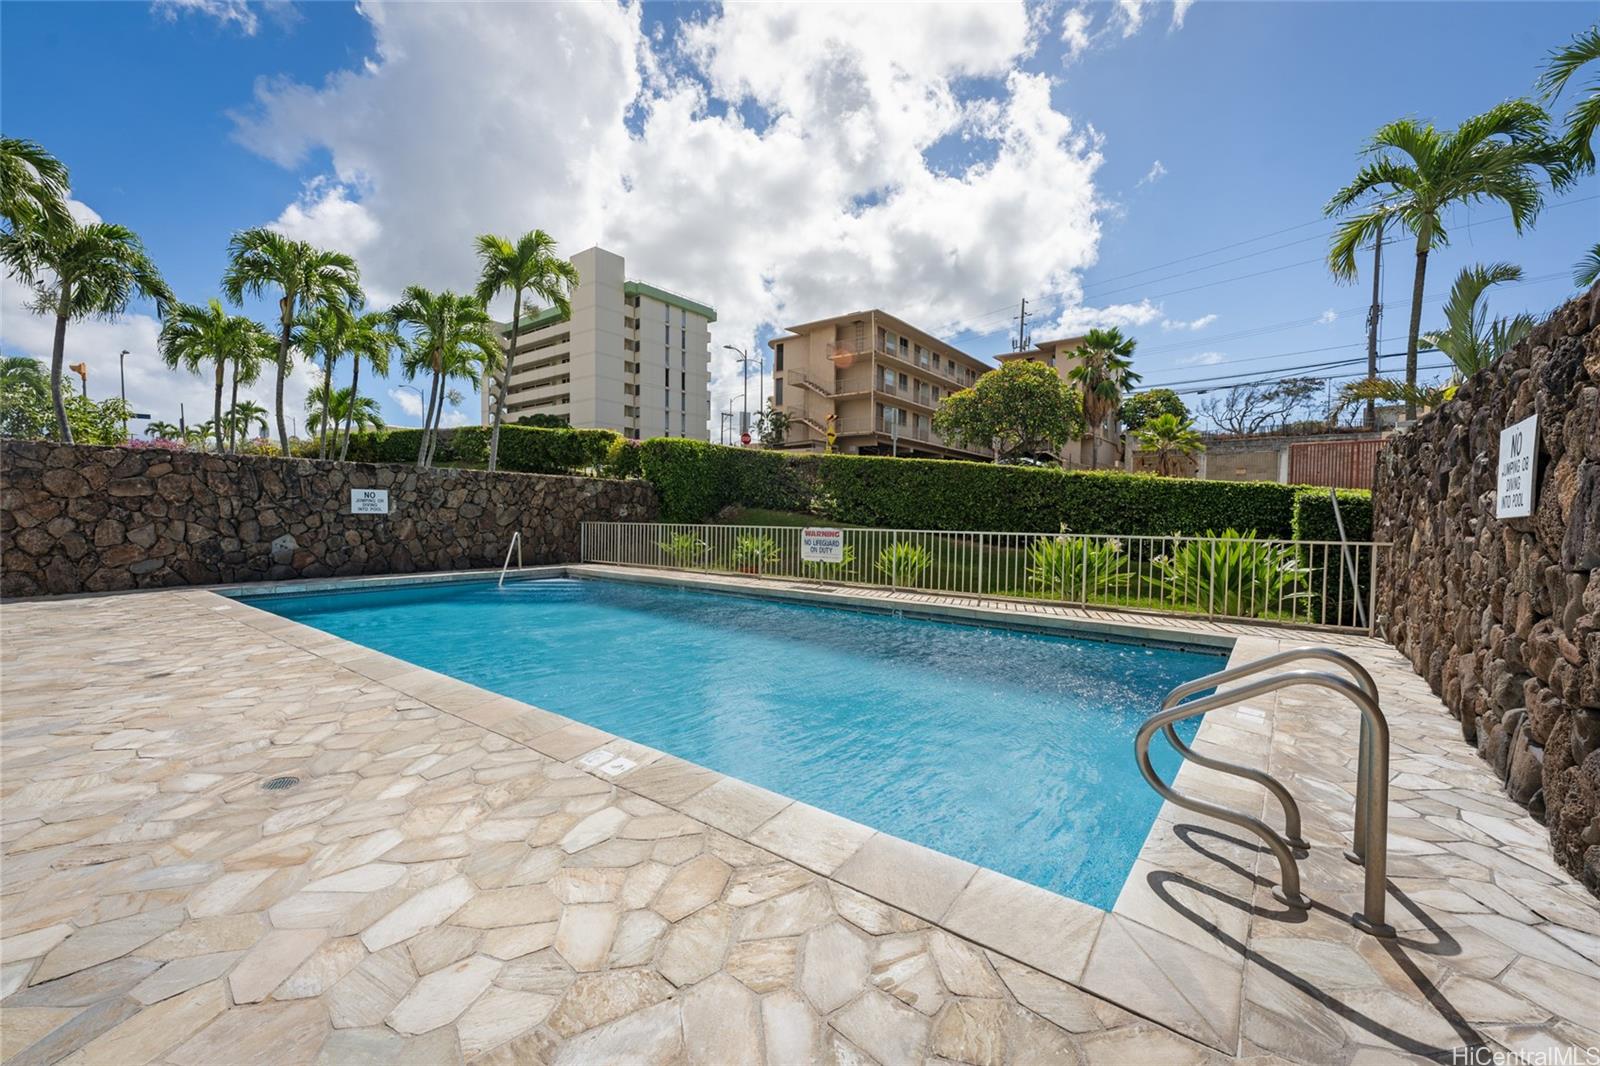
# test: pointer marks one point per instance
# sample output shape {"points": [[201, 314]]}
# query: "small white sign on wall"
{"points": [[822, 545], [369, 501], [1518, 471]]}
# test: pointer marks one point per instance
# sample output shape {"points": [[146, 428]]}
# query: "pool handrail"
{"points": [[515, 545], [1372, 785]]}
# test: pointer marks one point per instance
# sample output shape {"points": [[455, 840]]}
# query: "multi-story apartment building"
{"points": [[631, 357], [874, 380], [1106, 437]]}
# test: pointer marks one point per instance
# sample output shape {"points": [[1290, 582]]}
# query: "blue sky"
{"points": [[941, 166]]}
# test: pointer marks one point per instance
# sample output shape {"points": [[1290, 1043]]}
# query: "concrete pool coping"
{"points": [[1053, 933]]}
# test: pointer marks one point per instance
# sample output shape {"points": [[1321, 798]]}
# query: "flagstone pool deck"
{"points": [[447, 882]]}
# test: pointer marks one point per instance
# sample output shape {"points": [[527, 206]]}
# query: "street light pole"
{"points": [[744, 376], [122, 388]]}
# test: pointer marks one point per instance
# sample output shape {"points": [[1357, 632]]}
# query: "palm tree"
{"points": [[529, 266], [240, 417], [370, 337], [248, 359], [1172, 439], [33, 186], [361, 412], [1104, 371], [192, 336], [1470, 340], [22, 372], [323, 332], [80, 271], [163, 431], [195, 436], [452, 336], [1577, 143], [305, 277], [1414, 172]]}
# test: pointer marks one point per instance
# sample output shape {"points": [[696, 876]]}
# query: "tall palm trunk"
{"points": [[58, 353], [233, 408], [216, 417], [349, 415], [505, 382], [327, 404], [283, 362], [1416, 326], [439, 389], [427, 421]]}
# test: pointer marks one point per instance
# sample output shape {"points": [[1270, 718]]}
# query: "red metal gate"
{"points": [[1340, 464]]}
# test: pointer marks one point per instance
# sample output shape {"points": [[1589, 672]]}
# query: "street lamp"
{"points": [[122, 387], [745, 359], [422, 400]]}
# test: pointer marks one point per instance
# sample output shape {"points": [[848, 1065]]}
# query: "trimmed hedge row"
{"points": [[1313, 514], [696, 480], [523, 449]]}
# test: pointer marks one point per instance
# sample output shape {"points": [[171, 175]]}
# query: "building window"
{"points": [[777, 392], [888, 379], [905, 383], [777, 357], [683, 380], [667, 380]]}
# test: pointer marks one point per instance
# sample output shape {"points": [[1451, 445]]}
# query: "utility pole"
{"points": [[1023, 337], [122, 389], [744, 361], [1374, 315]]}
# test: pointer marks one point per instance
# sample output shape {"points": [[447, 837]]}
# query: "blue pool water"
{"points": [[1007, 748]]}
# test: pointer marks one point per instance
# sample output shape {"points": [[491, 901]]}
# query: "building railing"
{"points": [[1322, 583]]}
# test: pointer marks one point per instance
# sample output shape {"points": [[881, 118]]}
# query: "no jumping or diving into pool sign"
{"points": [[369, 501], [822, 545], [1519, 469]]}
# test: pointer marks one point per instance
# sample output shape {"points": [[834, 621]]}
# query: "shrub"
{"points": [[1312, 517], [523, 449], [1234, 574], [623, 459], [696, 480], [753, 552], [904, 563], [683, 549], [1071, 567]]}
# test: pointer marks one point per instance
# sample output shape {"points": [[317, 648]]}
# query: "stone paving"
{"points": [[458, 878]]}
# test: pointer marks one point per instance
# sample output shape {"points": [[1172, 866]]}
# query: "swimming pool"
{"points": [[1008, 748]]}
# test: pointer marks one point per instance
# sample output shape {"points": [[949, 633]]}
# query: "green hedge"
{"points": [[523, 449], [1313, 514], [696, 480]]}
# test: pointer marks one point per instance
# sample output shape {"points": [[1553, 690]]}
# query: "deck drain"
{"points": [[278, 784]]}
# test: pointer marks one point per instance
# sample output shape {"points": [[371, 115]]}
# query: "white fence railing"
{"points": [[1322, 583]]}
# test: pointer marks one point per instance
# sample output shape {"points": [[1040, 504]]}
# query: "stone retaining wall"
{"points": [[1503, 616], [80, 519]]}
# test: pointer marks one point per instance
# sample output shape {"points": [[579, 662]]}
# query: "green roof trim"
{"points": [[537, 319], [639, 288]]}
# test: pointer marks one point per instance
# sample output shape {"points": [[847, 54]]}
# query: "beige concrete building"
{"points": [[875, 380], [631, 357]]}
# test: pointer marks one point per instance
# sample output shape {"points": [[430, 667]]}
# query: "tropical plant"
{"points": [[527, 267], [1387, 390], [1077, 567], [683, 549], [753, 552], [192, 336], [1020, 410], [1469, 339], [1103, 371], [97, 421], [1140, 408], [33, 187], [240, 417], [1172, 439], [452, 337], [163, 431], [195, 436], [1415, 171], [772, 425], [829, 569], [80, 271], [904, 563], [24, 398], [248, 360], [322, 333], [1577, 142], [305, 278], [347, 409], [370, 338], [1233, 573]]}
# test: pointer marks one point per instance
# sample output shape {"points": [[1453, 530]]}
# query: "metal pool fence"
{"points": [[1325, 583]]}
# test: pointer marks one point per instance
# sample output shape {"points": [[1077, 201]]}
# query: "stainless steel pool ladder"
{"points": [[1370, 844], [514, 546]]}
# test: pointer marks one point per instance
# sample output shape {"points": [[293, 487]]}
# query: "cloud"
{"points": [[1194, 324], [1180, 11], [407, 401], [776, 191], [1203, 359], [1074, 33], [1327, 317], [227, 12], [1132, 12], [1075, 320], [1153, 175]]}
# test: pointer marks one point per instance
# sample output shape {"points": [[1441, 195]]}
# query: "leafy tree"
{"points": [[1141, 407], [544, 421], [1172, 439], [33, 187], [1471, 341], [1104, 372], [193, 336], [452, 337], [1415, 171], [1254, 408], [80, 271], [1019, 410], [528, 267], [305, 279], [772, 425], [24, 398], [1577, 143], [370, 338]]}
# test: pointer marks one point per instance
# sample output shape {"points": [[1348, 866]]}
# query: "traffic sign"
{"points": [[744, 438]]}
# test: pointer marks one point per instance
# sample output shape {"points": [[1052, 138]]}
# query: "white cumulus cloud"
{"points": [[1192, 324], [1202, 359], [1078, 319], [1327, 317]]}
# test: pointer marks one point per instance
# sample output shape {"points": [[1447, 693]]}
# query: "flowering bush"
{"points": [[160, 444]]}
